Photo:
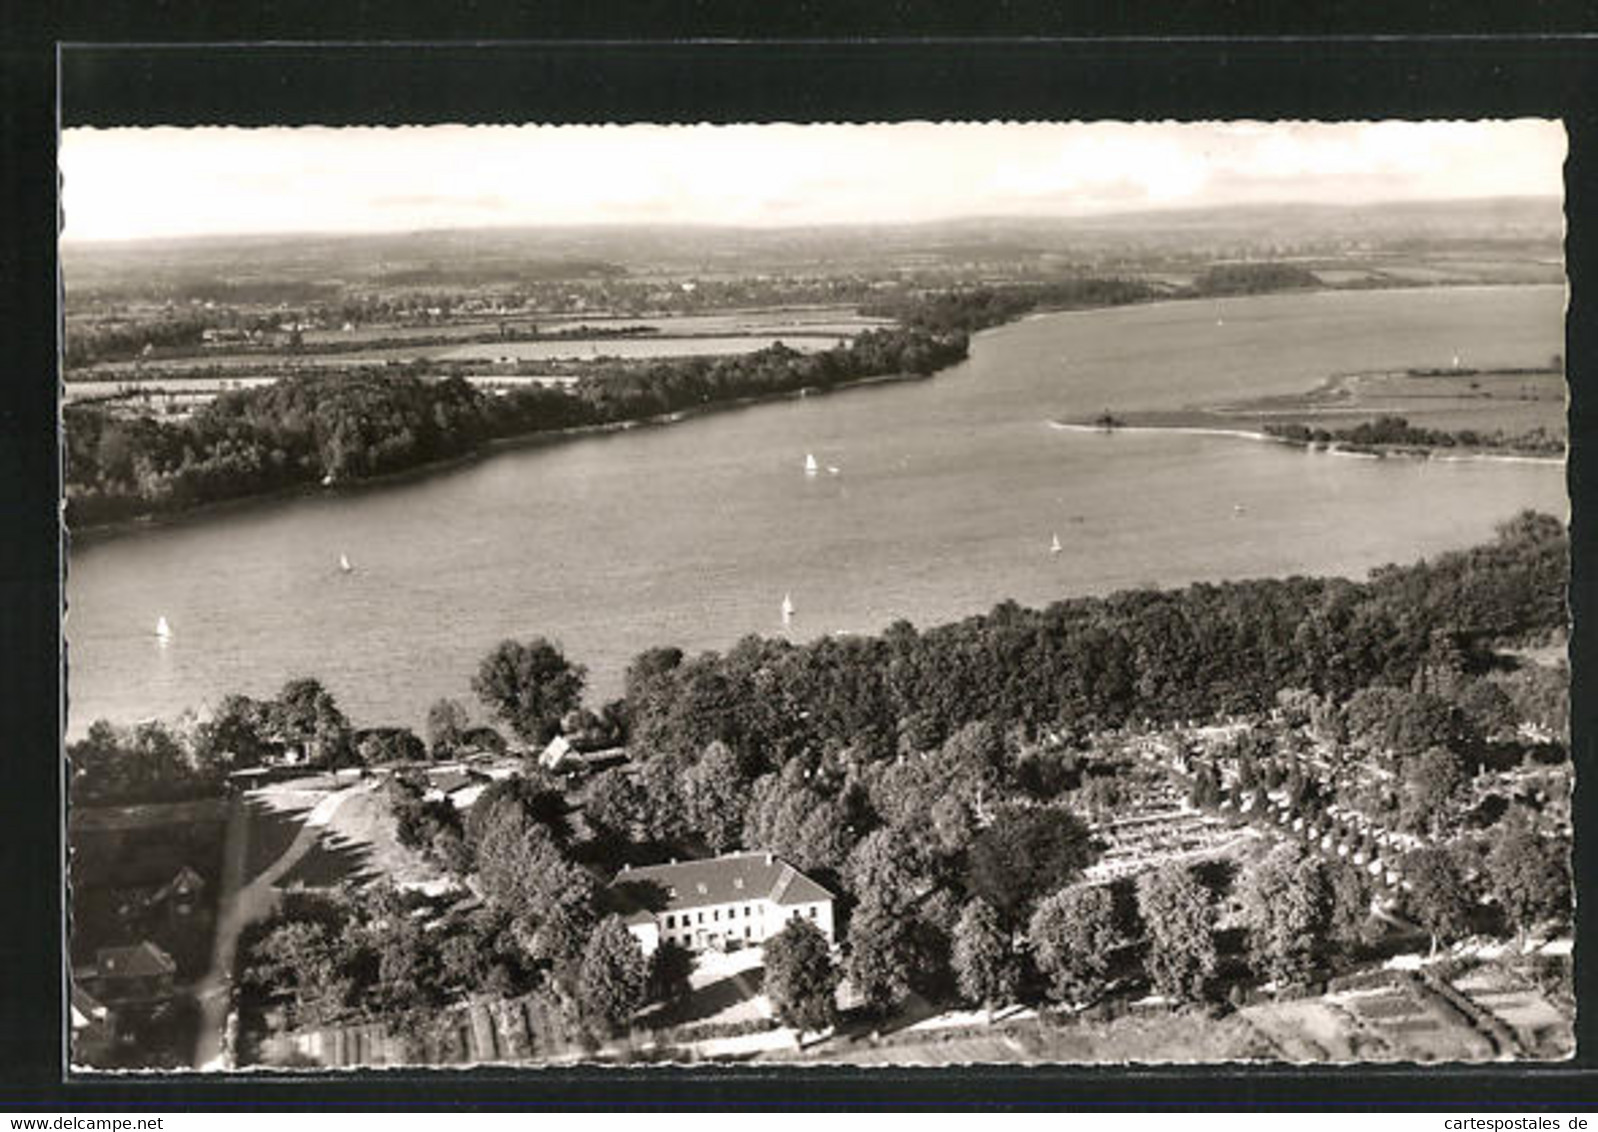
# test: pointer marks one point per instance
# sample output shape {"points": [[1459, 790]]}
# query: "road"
{"points": [[239, 905]]}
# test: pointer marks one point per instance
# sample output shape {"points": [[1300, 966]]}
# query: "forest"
{"points": [[970, 309], [950, 785], [328, 428], [1396, 432]]}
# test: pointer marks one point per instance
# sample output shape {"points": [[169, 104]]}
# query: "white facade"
{"points": [[736, 900], [744, 923]]}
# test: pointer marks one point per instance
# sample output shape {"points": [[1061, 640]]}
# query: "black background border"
{"points": [[599, 66]]}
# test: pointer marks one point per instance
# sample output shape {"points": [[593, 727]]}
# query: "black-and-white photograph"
{"points": [[914, 593]]}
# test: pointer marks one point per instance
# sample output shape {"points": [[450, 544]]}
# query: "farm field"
{"points": [[778, 320], [650, 347], [544, 350]]}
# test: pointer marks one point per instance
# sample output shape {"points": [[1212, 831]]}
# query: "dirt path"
{"points": [[241, 904]]}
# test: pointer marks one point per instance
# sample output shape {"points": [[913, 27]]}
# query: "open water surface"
{"points": [[946, 495]]}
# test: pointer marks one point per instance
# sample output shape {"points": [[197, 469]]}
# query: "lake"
{"points": [[947, 494]]}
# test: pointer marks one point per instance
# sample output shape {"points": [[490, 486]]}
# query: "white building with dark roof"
{"points": [[737, 900]]}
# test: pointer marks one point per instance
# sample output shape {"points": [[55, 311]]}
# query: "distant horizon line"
{"points": [[66, 240]]}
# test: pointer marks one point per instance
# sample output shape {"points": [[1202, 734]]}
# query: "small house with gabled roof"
{"points": [[182, 892], [736, 900], [141, 973]]}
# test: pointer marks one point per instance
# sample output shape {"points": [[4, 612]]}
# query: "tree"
{"points": [[551, 900], [1528, 875], [1350, 907], [233, 734], [1205, 793], [887, 866], [301, 958], [446, 727], [613, 977], [671, 968], [1403, 723], [984, 958], [520, 798], [618, 805], [1181, 925], [1287, 910], [1024, 854], [530, 686], [953, 826], [800, 980], [305, 715], [715, 794], [1434, 782], [1487, 708], [149, 763], [1438, 898], [882, 960], [1072, 934]]}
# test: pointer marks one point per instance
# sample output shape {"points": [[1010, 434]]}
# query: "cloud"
{"points": [[128, 183]]}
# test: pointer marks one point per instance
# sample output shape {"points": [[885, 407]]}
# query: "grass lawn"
{"points": [[359, 843]]}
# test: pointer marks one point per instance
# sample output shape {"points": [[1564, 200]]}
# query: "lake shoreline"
{"points": [[93, 533], [1195, 421], [1334, 448]]}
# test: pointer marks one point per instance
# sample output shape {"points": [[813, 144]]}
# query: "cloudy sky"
{"points": [[128, 184]]}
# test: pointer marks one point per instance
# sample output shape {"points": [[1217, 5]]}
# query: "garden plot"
{"points": [[1413, 1029], [1538, 1023], [1314, 1030]]}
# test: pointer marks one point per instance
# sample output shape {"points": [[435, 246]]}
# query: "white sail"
{"points": [[787, 608], [162, 629], [811, 467], [1055, 547], [344, 563]]}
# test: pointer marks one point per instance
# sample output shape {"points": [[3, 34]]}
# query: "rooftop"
{"points": [[716, 880], [141, 961]]}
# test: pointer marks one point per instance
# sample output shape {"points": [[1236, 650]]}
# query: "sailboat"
{"points": [[787, 609], [1055, 547], [811, 467], [344, 563], [162, 629]]}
